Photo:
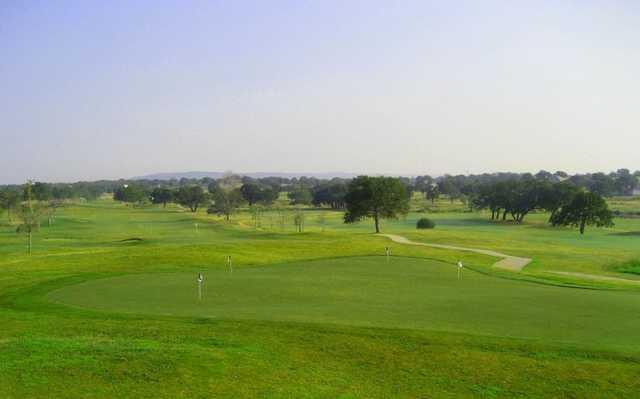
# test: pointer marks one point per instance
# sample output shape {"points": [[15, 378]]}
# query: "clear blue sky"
{"points": [[109, 89]]}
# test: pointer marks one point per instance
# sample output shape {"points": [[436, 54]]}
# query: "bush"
{"points": [[632, 267], [425, 223]]}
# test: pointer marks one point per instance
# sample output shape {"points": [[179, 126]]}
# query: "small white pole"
{"points": [[196, 224], [459, 270], [387, 253], [200, 279]]}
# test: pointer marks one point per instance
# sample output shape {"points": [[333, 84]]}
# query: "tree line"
{"points": [[461, 187], [505, 195], [566, 202], [311, 190], [225, 195]]}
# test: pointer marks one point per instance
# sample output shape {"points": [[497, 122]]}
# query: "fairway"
{"points": [[369, 291]]}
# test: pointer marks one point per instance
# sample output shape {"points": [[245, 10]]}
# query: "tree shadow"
{"points": [[626, 234]]}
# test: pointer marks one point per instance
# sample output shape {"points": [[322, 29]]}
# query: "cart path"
{"points": [[508, 262]]}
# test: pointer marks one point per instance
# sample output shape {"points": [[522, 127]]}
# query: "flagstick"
{"points": [[200, 279]]}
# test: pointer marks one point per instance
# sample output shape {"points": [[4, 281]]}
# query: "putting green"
{"points": [[368, 291]]}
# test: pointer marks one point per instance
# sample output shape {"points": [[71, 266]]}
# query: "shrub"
{"points": [[425, 223], [633, 267]]}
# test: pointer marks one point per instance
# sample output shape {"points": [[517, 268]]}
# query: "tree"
{"points": [[331, 193], [9, 199], [192, 197], [601, 184], [300, 196], [557, 195], [250, 192], [423, 183], [625, 182], [585, 209], [212, 187], [448, 186], [29, 214], [161, 195], [375, 197], [525, 197], [254, 193], [63, 192], [129, 193], [268, 195], [517, 197], [432, 193], [544, 176], [225, 203], [41, 191]]}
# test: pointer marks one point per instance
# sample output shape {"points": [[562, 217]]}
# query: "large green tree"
{"points": [[331, 193], [251, 192], [555, 196], [192, 197], [256, 193], [375, 197], [432, 193], [129, 193], [300, 196], [423, 184], [162, 195], [225, 202], [41, 191], [625, 182], [585, 209]]}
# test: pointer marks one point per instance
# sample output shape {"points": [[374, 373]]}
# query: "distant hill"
{"points": [[256, 175]]}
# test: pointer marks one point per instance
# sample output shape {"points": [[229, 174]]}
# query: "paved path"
{"points": [[507, 262]]}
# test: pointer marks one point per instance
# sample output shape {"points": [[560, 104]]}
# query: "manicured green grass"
{"points": [[369, 291], [499, 338]]}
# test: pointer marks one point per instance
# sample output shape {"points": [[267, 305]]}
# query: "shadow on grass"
{"points": [[626, 234]]}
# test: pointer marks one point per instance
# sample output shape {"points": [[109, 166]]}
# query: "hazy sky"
{"points": [[109, 89]]}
